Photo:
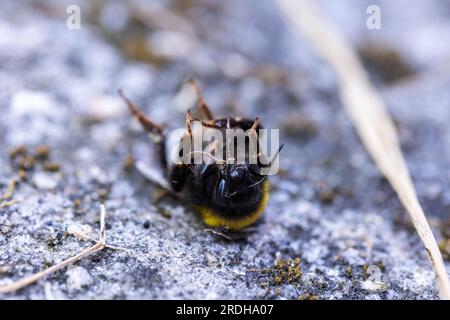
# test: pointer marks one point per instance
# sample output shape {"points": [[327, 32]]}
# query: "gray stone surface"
{"points": [[329, 206]]}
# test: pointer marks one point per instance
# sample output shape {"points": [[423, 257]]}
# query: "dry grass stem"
{"points": [[10, 190], [369, 116], [7, 203], [99, 245]]}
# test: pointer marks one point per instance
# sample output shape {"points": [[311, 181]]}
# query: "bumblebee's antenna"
{"points": [[230, 144], [273, 158], [256, 183], [221, 161]]}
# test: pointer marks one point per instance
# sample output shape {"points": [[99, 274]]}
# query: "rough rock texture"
{"points": [[329, 206]]}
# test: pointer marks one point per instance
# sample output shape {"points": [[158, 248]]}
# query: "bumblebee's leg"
{"points": [[150, 126], [177, 176], [219, 193], [201, 101], [205, 170], [144, 120]]}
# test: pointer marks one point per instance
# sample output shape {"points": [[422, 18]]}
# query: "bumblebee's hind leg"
{"points": [[151, 127], [201, 101], [159, 138], [143, 119]]}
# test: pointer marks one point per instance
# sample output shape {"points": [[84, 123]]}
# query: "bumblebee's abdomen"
{"points": [[235, 222]]}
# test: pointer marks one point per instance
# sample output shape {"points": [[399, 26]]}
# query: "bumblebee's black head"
{"points": [[241, 177]]}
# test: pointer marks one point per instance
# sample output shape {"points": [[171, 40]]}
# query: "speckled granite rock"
{"points": [[329, 206]]}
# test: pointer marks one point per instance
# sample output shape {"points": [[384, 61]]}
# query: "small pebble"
{"points": [[79, 230], [78, 277], [27, 102], [45, 181], [5, 228], [105, 107]]}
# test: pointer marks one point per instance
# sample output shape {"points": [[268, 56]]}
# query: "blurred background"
{"points": [[330, 207]]}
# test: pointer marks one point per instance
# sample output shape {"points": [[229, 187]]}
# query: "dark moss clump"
{"points": [[300, 127], [42, 152], [308, 296], [24, 160], [17, 152], [128, 163], [384, 63], [51, 166], [103, 194], [285, 271], [327, 195], [444, 244], [56, 238]]}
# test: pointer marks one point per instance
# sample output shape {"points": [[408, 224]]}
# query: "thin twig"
{"points": [[86, 237], [99, 245], [37, 276], [220, 234], [369, 116], [7, 203], [10, 190]]}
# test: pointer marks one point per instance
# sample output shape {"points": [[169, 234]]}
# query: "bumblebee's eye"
{"points": [[238, 174]]}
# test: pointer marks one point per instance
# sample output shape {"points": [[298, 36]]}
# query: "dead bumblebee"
{"points": [[226, 193]]}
